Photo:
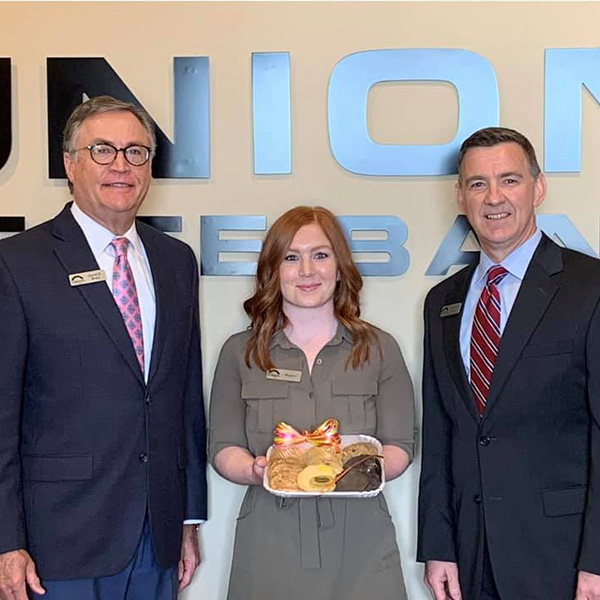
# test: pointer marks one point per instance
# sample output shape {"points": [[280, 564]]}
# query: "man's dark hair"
{"points": [[492, 136]]}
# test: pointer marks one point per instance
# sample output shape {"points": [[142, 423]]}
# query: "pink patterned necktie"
{"points": [[125, 294], [485, 336]]}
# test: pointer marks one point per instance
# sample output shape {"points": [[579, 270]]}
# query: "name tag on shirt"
{"points": [[284, 375], [86, 277], [450, 309]]}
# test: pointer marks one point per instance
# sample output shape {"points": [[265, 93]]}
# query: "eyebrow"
{"points": [[514, 174], [110, 143], [313, 249]]}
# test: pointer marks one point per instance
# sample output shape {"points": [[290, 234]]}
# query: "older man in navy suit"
{"points": [[102, 447], [509, 506]]}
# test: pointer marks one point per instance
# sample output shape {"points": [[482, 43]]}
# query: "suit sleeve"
{"points": [[436, 515], [13, 343], [195, 425], [589, 559]]}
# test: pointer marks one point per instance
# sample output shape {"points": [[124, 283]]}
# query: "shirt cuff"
{"points": [[193, 521]]}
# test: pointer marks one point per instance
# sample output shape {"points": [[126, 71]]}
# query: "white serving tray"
{"points": [[346, 440]]}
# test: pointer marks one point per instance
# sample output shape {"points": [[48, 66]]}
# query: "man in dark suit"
{"points": [[102, 447], [509, 505]]}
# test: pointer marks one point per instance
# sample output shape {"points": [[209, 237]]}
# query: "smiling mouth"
{"points": [[118, 184], [497, 217], [308, 288]]}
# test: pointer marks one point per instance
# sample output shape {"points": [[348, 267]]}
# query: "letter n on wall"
{"points": [[71, 79]]}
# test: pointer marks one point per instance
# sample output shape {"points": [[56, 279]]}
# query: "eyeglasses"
{"points": [[106, 154]]}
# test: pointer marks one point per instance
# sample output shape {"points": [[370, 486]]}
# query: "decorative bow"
{"points": [[326, 434]]}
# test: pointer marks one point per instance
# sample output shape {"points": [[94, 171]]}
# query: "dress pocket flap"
{"points": [[354, 387], [558, 503], [261, 390], [73, 467], [548, 349]]}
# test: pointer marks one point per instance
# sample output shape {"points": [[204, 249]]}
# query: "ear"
{"points": [[69, 164], [459, 195], [540, 190]]}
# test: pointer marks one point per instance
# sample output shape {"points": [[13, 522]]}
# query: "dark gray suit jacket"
{"points": [[87, 449], [523, 473]]}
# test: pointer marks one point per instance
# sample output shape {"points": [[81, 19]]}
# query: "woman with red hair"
{"points": [[305, 320]]}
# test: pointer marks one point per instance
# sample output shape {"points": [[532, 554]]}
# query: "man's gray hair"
{"points": [[97, 106], [103, 104]]}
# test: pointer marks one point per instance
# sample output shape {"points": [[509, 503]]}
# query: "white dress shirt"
{"points": [[99, 239]]}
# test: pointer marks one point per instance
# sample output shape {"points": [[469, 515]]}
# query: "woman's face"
{"points": [[309, 271]]}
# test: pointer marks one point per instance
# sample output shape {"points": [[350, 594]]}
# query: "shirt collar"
{"points": [[98, 237], [281, 340], [515, 263]]}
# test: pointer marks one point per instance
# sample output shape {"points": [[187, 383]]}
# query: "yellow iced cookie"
{"points": [[317, 478]]}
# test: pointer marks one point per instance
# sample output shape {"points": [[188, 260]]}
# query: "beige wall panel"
{"points": [[140, 39]]}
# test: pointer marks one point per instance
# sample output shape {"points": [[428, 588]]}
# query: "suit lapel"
{"points": [[75, 255], [534, 297], [451, 338], [164, 287]]}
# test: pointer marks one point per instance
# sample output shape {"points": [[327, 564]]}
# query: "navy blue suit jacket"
{"points": [[87, 448]]}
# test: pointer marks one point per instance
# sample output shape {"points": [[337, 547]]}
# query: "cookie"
{"points": [[316, 478], [282, 471], [358, 449], [324, 455]]}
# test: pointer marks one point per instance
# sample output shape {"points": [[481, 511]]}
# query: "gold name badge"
{"points": [[86, 277], [284, 375], [450, 309]]}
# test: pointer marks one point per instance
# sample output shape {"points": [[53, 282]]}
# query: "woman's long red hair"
{"points": [[265, 307]]}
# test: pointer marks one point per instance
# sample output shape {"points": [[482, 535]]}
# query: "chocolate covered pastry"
{"points": [[363, 477]]}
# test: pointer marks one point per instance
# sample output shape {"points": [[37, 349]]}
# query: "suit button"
{"points": [[148, 400], [143, 458], [484, 440], [477, 499]]}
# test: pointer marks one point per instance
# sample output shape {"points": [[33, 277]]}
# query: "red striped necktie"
{"points": [[485, 336]]}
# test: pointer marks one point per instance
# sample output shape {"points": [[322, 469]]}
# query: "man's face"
{"points": [[498, 195], [110, 194]]}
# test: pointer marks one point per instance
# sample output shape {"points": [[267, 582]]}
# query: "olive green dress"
{"points": [[313, 548]]}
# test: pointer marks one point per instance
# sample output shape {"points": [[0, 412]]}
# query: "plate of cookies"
{"points": [[351, 469]]}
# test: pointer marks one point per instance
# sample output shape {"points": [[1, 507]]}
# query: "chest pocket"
{"points": [[267, 402], [354, 404], [548, 349]]}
